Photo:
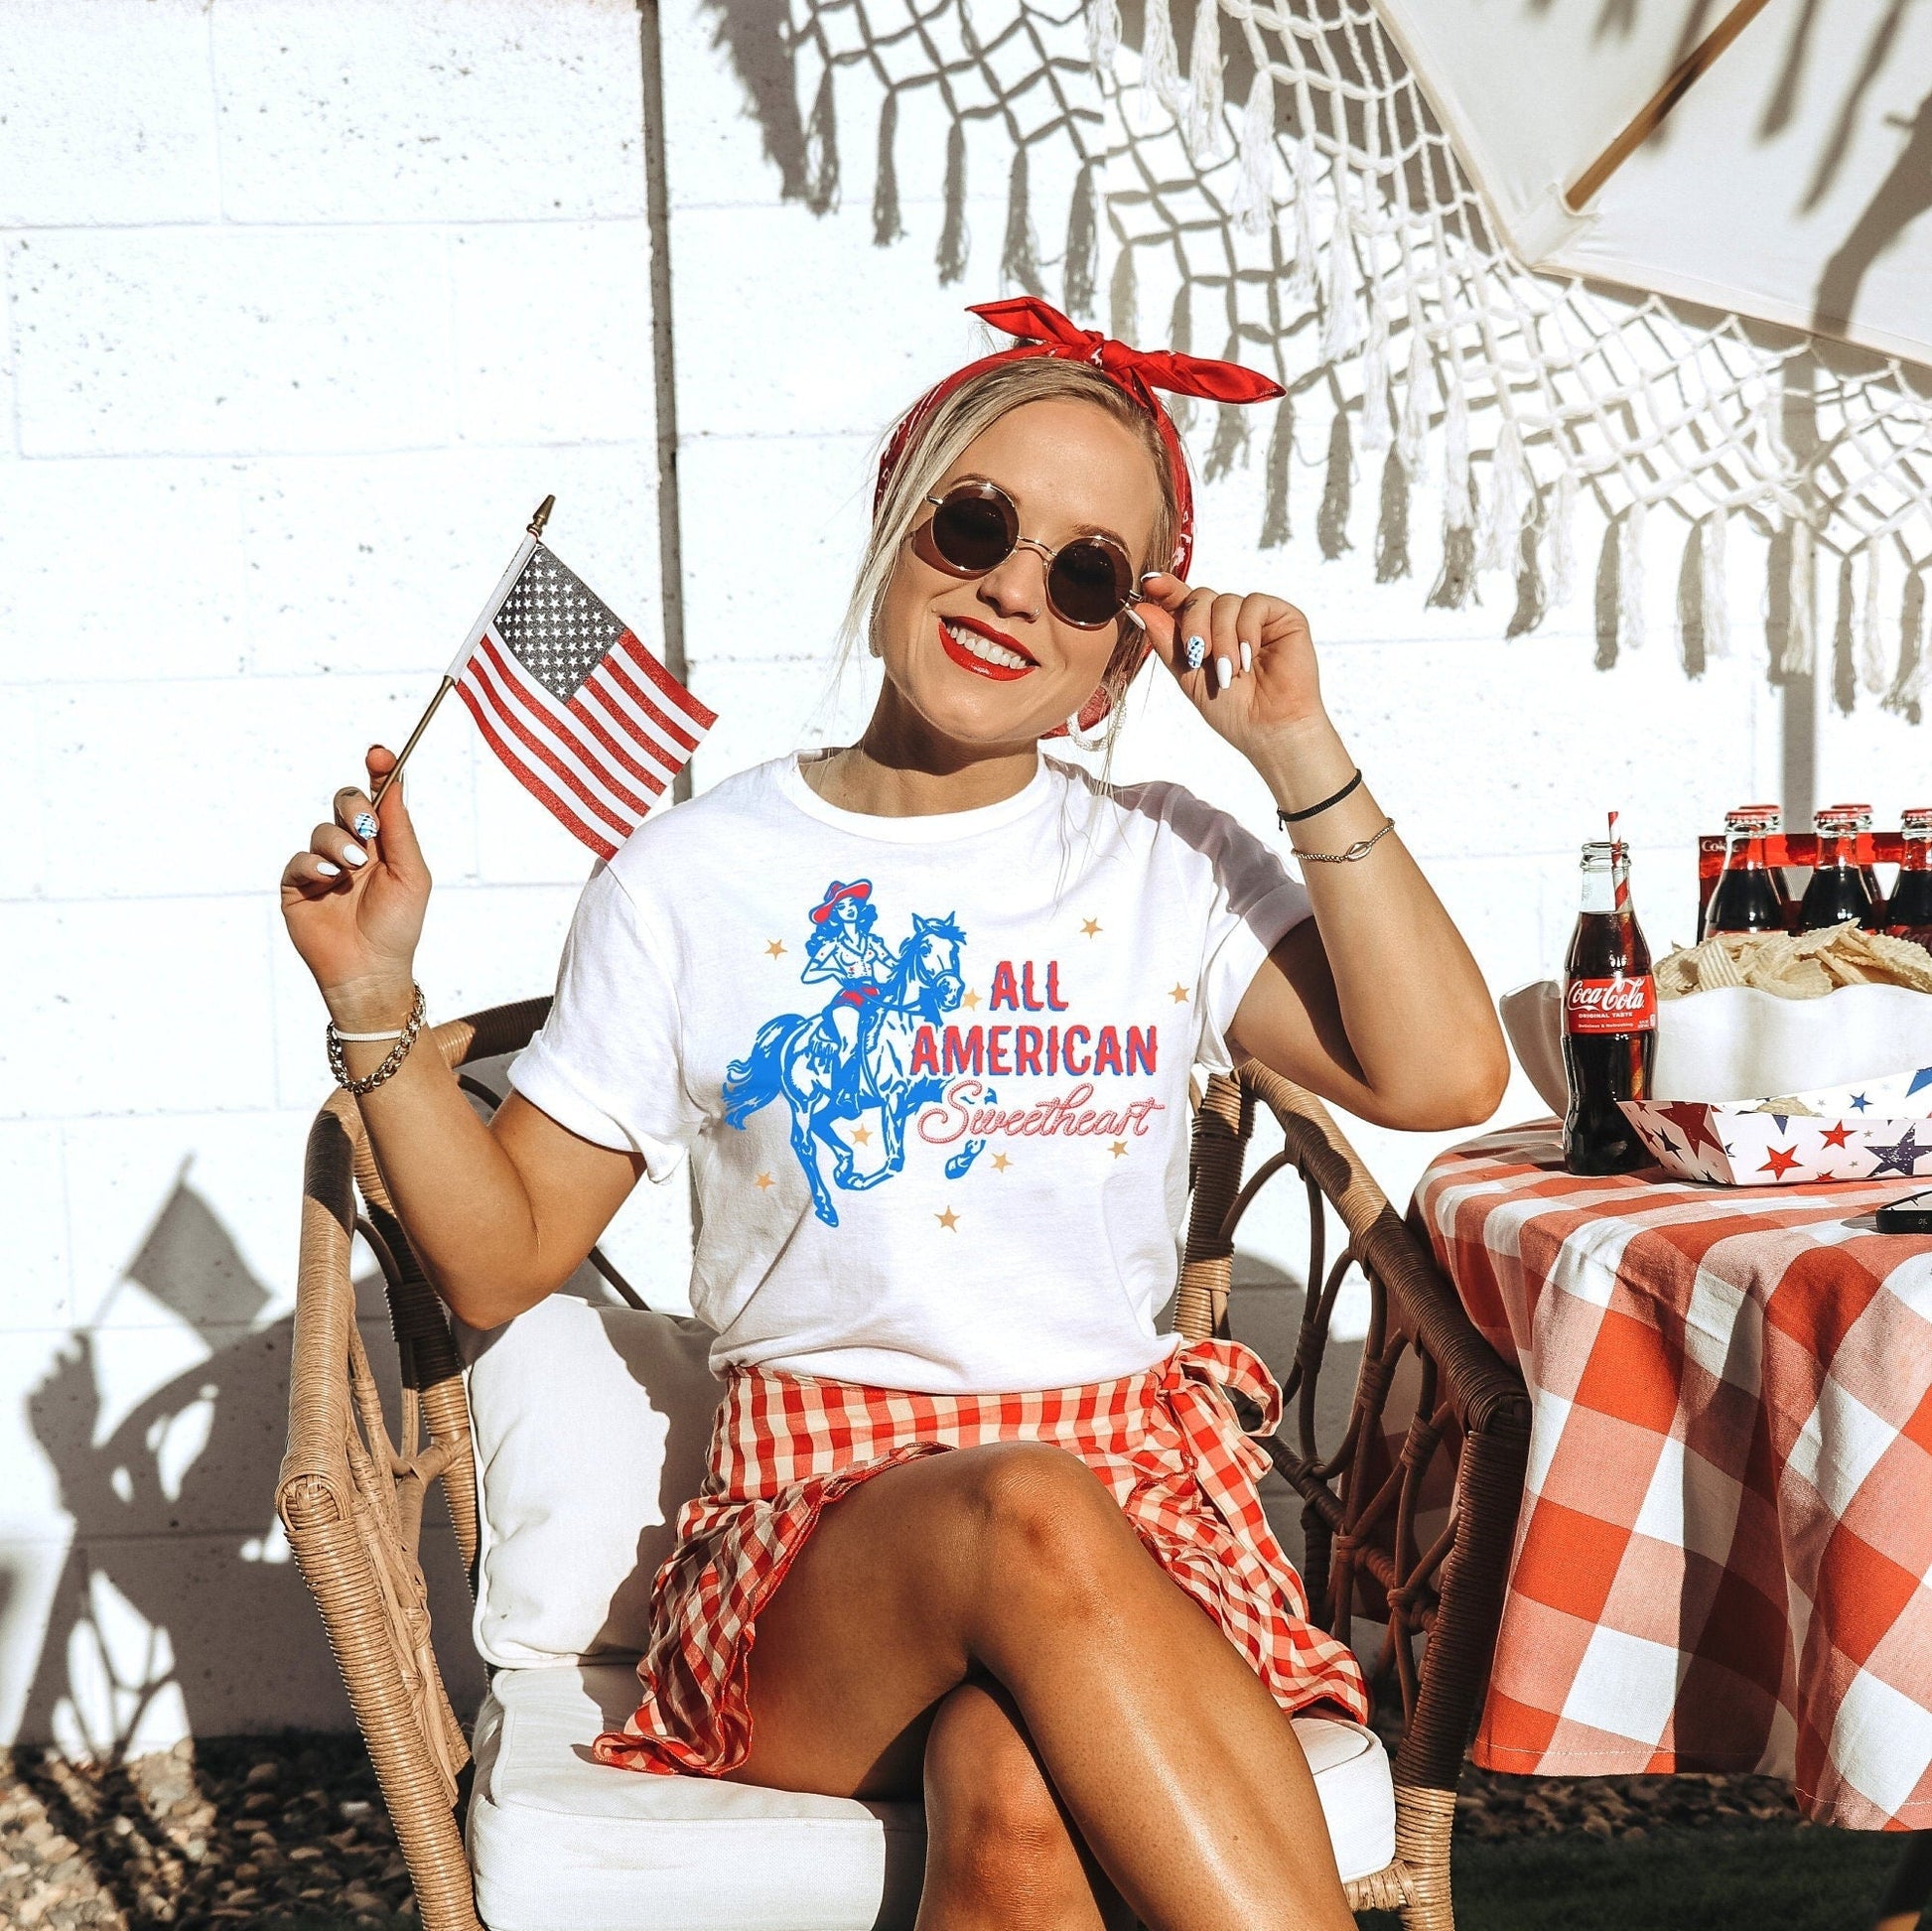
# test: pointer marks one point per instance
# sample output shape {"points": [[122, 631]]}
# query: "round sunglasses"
{"points": [[975, 527]]}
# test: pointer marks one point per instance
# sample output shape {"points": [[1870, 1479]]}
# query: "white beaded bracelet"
{"points": [[362, 1039]]}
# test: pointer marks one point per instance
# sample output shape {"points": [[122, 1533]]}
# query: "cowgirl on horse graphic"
{"points": [[842, 947]]}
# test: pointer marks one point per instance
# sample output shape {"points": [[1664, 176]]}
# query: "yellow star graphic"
{"points": [[1118, 1148], [860, 1135], [948, 1220], [776, 950], [1180, 994], [763, 1181], [1089, 926], [1001, 1161], [970, 1001]]}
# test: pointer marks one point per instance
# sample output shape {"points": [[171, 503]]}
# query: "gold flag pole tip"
{"points": [[536, 522]]}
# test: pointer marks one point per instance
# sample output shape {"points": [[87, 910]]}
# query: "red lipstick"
{"points": [[964, 658]]}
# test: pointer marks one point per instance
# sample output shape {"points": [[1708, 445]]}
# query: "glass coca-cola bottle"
{"points": [[1750, 895], [1837, 890], [1909, 914], [1861, 816], [1610, 1018]]}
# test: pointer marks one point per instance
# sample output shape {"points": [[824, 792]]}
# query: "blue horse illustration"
{"points": [[857, 1052]]}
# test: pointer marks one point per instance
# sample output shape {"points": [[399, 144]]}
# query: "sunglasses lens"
{"points": [[972, 533], [1087, 584]]}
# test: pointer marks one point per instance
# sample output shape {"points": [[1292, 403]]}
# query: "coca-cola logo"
{"points": [[1615, 1005]]}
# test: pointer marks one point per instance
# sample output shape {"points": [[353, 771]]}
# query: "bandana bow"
{"points": [[1044, 331]]}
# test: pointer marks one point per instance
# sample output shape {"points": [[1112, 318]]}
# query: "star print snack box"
{"points": [[1865, 1130]]}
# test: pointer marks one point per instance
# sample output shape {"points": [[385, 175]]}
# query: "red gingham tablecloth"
{"points": [[1725, 1556]]}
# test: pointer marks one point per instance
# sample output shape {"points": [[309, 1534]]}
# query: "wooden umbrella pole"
{"points": [[1650, 116], [535, 530]]}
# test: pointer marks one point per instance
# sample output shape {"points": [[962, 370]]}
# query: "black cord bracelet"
{"points": [[1286, 818]]}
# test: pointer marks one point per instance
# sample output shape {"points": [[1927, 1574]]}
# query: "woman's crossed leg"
{"points": [[986, 1626]]}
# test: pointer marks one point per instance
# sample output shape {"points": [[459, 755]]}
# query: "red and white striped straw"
{"points": [[1622, 882]]}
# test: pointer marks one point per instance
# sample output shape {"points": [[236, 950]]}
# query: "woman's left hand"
{"points": [[1256, 682]]}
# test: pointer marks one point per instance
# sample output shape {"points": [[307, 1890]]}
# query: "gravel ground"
{"points": [[287, 1831]]}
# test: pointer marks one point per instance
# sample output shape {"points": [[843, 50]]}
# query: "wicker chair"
{"points": [[352, 1499]]}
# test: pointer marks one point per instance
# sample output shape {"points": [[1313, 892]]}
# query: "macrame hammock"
{"points": [[1319, 227]]}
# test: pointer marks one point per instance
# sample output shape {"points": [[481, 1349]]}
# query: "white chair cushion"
{"points": [[561, 1844], [590, 1427]]}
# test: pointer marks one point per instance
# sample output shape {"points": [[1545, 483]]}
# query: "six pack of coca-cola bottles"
{"points": [[1610, 1028]]}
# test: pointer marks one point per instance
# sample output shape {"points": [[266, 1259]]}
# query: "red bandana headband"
{"points": [[1044, 331]]}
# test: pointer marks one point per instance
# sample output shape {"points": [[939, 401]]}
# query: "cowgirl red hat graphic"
{"points": [[838, 890]]}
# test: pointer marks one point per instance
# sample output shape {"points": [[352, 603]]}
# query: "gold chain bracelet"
{"points": [[1360, 849], [339, 1062]]}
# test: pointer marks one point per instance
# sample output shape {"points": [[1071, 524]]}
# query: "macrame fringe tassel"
{"points": [[1122, 305], [1872, 673], [1202, 115], [1801, 636], [1562, 565], [1275, 530], [1160, 64], [1531, 597], [1714, 588], [1609, 595], [1692, 629], [1230, 445], [1253, 202], [1902, 700], [1630, 578], [1331, 521], [1455, 586], [1181, 334], [1020, 258], [887, 226], [1418, 402], [822, 149], [1103, 37], [1378, 426], [1844, 669], [1300, 290], [955, 244], [1392, 526], [1342, 322], [1511, 489], [1082, 272]]}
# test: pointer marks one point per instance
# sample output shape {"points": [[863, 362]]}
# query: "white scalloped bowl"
{"points": [[1739, 1044]]}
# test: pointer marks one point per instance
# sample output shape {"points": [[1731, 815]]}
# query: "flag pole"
{"points": [[534, 531]]}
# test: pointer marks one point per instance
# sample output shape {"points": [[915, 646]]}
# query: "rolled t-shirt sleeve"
{"points": [[607, 1062], [1250, 904]]}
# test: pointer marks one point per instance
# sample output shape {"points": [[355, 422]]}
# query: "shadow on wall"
{"points": [[180, 1610]]}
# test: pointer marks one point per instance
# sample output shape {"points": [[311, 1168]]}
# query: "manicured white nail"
{"points": [[327, 870], [1223, 672], [1196, 652], [354, 855], [1247, 656]]}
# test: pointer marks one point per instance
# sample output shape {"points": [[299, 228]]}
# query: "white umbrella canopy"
{"points": [[1790, 179]]}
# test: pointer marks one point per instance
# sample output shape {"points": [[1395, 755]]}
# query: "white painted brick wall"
{"points": [[307, 302]]}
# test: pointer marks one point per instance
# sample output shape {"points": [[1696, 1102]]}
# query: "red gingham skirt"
{"points": [[1166, 1442]]}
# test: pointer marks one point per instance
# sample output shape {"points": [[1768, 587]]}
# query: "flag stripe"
{"points": [[675, 693], [617, 710], [539, 791], [557, 721], [668, 726], [561, 754], [585, 716]]}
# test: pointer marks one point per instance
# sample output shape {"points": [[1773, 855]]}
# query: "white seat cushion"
{"points": [[561, 1844]]}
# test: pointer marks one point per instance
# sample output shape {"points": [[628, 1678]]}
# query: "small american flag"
{"points": [[586, 718]]}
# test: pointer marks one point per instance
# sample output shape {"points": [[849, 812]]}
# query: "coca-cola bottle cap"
{"points": [[1916, 818]]}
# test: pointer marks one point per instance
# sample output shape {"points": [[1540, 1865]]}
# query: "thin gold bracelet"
{"points": [[1360, 849]]}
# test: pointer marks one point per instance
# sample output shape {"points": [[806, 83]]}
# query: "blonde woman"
{"points": [[995, 1537]]}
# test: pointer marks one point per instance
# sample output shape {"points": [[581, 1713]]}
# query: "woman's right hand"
{"points": [[354, 907]]}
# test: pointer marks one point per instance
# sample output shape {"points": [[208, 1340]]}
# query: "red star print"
{"points": [[1838, 1134], [1782, 1160], [1693, 1123]]}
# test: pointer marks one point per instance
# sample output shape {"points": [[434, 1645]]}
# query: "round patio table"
{"points": [[1724, 1560]]}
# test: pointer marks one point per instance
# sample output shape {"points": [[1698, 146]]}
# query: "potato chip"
{"points": [[1802, 965]]}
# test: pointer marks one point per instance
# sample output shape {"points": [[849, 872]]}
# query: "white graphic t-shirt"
{"points": [[932, 1070]]}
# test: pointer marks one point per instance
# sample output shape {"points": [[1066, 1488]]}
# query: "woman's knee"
{"points": [[995, 1823], [1043, 1520]]}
